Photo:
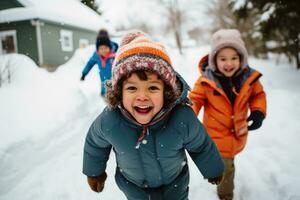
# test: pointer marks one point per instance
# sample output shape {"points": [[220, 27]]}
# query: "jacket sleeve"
{"points": [[89, 65], [197, 96], [96, 151], [202, 149], [258, 98]]}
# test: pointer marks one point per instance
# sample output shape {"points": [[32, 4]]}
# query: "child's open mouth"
{"points": [[143, 109], [229, 70]]}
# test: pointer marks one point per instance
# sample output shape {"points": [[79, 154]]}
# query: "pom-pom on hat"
{"points": [[103, 33], [227, 38], [138, 52]]}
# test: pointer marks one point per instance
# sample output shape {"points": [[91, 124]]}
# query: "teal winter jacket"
{"points": [[160, 156]]}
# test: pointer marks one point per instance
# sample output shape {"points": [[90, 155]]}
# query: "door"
{"points": [[8, 42]]}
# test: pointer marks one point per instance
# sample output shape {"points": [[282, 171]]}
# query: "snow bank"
{"points": [[36, 102], [45, 116]]}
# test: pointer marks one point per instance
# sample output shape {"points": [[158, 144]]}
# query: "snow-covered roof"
{"points": [[71, 12]]}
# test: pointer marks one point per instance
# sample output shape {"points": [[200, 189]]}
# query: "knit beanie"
{"points": [[227, 38], [103, 40], [103, 33], [138, 52]]}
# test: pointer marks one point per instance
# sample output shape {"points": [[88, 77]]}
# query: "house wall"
{"points": [[26, 37], [53, 53]]}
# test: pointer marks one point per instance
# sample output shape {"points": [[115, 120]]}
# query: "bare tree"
{"points": [[224, 16], [221, 15], [175, 20]]}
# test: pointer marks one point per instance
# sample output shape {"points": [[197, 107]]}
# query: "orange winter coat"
{"points": [[226, 123]]}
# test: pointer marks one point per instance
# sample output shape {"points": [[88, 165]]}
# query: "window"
{"points": [[8, 42], [66, 40]]}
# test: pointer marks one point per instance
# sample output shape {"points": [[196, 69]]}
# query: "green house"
{"points": [[47, 31]]}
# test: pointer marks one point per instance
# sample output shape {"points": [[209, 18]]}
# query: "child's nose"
{"points": [[228, 63], [142, 96]]}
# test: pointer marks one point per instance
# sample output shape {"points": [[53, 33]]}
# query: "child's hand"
{"points": [[216, 180], [257, 118], [97, 183]]}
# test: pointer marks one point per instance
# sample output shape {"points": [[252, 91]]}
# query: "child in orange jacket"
{"points": [[228, 89]]}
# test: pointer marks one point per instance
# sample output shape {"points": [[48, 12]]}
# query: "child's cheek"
{"points": [[159, 101]]}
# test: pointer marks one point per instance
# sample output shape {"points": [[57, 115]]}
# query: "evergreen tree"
{"points": [[278, 23]]}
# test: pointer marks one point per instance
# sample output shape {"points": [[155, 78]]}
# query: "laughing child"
{"points": [[228, 89], [149, 125]]}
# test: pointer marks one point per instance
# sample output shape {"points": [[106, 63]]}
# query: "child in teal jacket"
{"points": [[149, 125]]}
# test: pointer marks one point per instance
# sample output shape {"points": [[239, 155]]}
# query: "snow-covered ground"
{"points": [[45, 116]]}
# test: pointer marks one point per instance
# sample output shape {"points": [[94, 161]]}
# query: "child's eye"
{"points": [[131, 88], [153, 88], [234, 58]]}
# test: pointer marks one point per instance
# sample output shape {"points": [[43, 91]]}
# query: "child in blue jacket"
{"points": [[149, 125], [103, 57]]}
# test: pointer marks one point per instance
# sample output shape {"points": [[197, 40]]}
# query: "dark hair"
{"points": [[114, 97], [103, 41]]}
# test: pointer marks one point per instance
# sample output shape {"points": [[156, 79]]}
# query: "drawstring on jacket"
{"points": [[142, 136]]}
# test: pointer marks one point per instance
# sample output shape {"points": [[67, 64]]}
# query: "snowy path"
{"points": [[48, 167]]}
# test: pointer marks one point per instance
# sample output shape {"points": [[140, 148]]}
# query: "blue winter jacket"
{"points": [[160, 157], [104, 67], [114, 46]]}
